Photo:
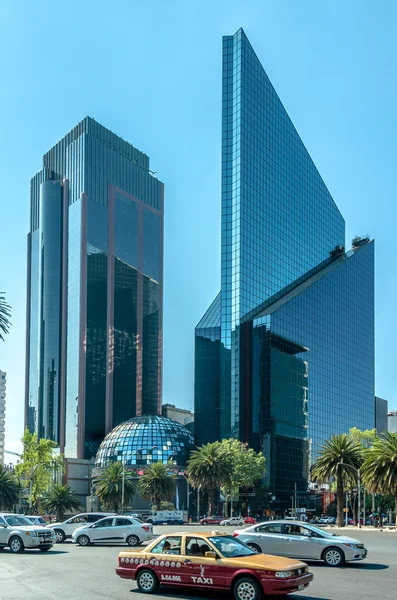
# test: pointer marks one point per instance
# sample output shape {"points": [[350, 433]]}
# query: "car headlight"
{"points": [[355, 546], [284, 574], [31, 533]]}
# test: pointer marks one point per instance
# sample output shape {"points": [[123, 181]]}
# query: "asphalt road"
{"points": [[69, 572]]}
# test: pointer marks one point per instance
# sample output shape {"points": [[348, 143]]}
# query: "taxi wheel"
{"points": [[83, 540], [147, 581], [16, 545], [247, 588], [132, 540], [333, 557]]}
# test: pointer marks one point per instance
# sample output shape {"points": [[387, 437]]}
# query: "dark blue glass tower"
{"points": [[291, 336], [95, 272]]}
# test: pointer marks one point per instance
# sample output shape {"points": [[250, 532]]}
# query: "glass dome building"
{"points": [[145, 440]]}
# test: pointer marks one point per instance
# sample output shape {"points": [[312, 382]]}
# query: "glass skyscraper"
{"points": [[284, 356], [95, 287]]}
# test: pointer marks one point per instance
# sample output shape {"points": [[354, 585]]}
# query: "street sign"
{"points": [[345, 510], [301, 510]]}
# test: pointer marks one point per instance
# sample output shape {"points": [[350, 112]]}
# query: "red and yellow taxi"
{"points": [[212, 560]]}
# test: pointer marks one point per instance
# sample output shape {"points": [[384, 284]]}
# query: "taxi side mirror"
{"points": [[210, 555]]}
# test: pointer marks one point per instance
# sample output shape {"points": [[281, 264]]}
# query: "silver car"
{"points": [[304, 541]]}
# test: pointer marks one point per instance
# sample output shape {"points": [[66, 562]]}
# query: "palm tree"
{"points": [[5, 314], [339, 458], [209, 468], [380, 466], [9, 489], [157, 485], [109, 486], [61, 499]]}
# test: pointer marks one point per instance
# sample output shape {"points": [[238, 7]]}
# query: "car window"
{"points": [[269, 528], [293, 529], [230, 546], [80, 519], [120, 522], [196, 546], [104, 523], [168, 545], [15, 521]]}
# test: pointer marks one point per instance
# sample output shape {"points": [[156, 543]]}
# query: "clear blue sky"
{"points": [[151, 72]]}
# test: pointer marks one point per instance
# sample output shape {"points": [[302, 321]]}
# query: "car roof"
{"points": [[206, 534]]}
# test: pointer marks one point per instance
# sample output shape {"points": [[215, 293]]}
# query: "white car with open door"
{"points": [[65, 530], [119, 529]]}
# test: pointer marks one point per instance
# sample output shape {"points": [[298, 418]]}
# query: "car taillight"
{"points": [[235, 534], [146, 527]]}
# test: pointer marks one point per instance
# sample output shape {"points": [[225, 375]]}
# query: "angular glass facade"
{"points": [[291, 358], [95, 269]]}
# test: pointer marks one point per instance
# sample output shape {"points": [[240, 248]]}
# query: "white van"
{"points": [[170, 517]]}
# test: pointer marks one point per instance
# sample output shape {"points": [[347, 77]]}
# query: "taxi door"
{"points": [[197, 569]]}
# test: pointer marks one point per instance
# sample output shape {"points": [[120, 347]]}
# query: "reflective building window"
{"points": [[286, 356], [97, 204]]}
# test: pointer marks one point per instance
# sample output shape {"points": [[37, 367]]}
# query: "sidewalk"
{"points": [[384, 528]]}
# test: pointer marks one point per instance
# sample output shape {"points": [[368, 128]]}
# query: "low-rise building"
{"points": [[180, 415], [392, 421]]}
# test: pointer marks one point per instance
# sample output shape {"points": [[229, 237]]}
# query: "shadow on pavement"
{"points": [[188, 593], [36, 552], [366, 566]]}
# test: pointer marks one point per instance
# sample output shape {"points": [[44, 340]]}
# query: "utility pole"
{"points": [[347, 509], [198, 504], [295, 498], [359, 498], [122, 487]]}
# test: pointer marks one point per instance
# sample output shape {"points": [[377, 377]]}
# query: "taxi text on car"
{"points": [[212, 560]]}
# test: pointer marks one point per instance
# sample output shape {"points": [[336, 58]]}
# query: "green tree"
{"points": [[379, 470], [5, 315], [39, 465], [365, 438], [246, 467], [156, 484], [109, 487], [61, 499], [9, 489], [339, 458], [164, 506], [209, 468]]}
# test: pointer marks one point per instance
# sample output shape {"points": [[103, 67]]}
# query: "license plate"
{"points": [[301, 588]]}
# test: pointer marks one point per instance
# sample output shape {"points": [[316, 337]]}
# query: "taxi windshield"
{"points": [[15, 521], [230, 547]]}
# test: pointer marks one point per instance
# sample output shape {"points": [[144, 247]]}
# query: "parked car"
{"points": [[327, 520], [293, 539], [120, 529], [212, 561], [249, 520], [232, 521], [65, 529], [18, 533], [39, 521], [214, 520]]}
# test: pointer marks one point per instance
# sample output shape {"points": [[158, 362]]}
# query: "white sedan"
{"points": [[232, 521], [118, 529]]}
